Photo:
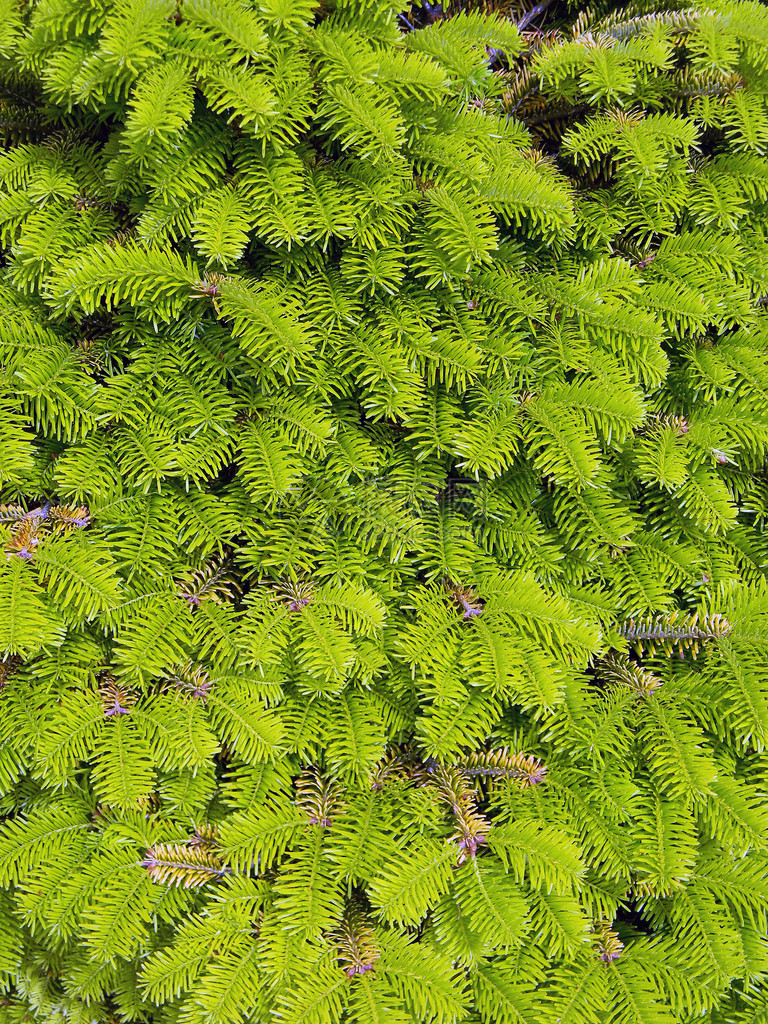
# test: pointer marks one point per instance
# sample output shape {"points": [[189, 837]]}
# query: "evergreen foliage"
{"points": [[383, 605]]}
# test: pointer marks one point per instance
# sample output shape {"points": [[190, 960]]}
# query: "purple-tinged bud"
{"points": [[470, 610], [39, 513], [358, 969], [24, 553], [116, 709], [608, 956], [202, 691]]}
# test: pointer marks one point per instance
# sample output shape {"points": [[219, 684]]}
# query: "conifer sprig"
{"points": [[382, 405], [675, 630]]}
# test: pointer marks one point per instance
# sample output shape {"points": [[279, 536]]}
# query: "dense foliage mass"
{"points": [[384, 424]]}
